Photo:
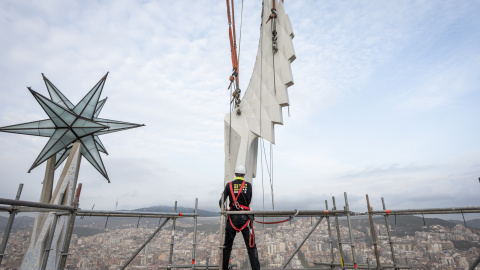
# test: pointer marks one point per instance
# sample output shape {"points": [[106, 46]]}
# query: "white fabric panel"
{"points": [[261, 106]]}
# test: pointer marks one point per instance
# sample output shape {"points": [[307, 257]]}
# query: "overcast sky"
{"points": [[385, 101]]}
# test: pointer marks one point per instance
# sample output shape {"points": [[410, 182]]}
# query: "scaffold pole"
{"points": [[8, 229], [68, 236], [288, 213], [330, 237], [35, 204], [106, 213], [337, 227], [392, 250], [222, 231], [172, 239], [352, 243], [372, 230], [431, 211], [146, 242], [475, 263], [187, 266], [301, 244], [194, 245], [364, 266], [48, 244]]}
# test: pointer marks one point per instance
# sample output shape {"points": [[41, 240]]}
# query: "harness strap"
{"points": [[237, 229], [251, 237], [239, 191], [235, 202], [238, 206]]}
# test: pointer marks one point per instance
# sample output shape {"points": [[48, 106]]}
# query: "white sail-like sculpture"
{"points": [[266, 94]]}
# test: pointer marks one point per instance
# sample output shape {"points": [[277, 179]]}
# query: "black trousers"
{"points": [[230, 233]]}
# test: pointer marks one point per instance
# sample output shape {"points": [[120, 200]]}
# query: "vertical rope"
{"points": [[272, 27], [261, 69], [271, 175], [240, 38], [230, 125], [263, 188]]}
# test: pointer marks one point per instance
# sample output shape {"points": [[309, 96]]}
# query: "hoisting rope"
{"points": [[271, 178], [281, 221], [251, 238], [273, 17], [269, 170], [273, 28], [233, 50], [235, 94], [240, 38], [274, 14]]}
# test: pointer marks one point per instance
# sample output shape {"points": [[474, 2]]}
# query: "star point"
{"points": [[68, 123]]}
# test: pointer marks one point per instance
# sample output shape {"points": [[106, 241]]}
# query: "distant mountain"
{"points": [[473, 223], [126, 222], [180, 209], [403, 225], [99, 224], [19, 223], [86, 231]]}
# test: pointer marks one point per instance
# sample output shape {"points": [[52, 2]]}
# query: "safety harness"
{"points": [[239, 207]]}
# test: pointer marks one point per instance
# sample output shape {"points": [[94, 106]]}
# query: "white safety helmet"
{"points": [[240, 170]]}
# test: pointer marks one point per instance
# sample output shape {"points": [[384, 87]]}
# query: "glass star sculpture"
{"points": [[69, 123]]}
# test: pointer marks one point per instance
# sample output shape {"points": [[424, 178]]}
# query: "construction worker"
{"points": [[239, 193]]}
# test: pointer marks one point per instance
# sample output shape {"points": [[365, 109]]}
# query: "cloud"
{"points": [[366, 74], [387, 169], [441, 85]]}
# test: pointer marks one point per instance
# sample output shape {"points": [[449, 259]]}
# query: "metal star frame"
{"points": [[69, 123]]}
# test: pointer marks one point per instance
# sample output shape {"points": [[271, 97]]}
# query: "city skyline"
{"points": [[433, 246]]}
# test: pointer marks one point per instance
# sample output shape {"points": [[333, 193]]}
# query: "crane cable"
{"points": [[240, 38], [269, 170], [234, 80], [233, 50], [273, 17]]}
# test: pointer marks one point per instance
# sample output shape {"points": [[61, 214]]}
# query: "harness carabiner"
{"points": [[237, 205]]}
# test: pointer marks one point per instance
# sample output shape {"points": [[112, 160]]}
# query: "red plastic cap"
{"points": [[325, 211], [180, 214], [193, 261], [388, 211]]}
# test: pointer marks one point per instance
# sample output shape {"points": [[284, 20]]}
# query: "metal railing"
{"points": [[325, 214], [18, 206]]}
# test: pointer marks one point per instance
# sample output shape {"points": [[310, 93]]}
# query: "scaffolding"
{"points": [[18, 206], [326, 214]]}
